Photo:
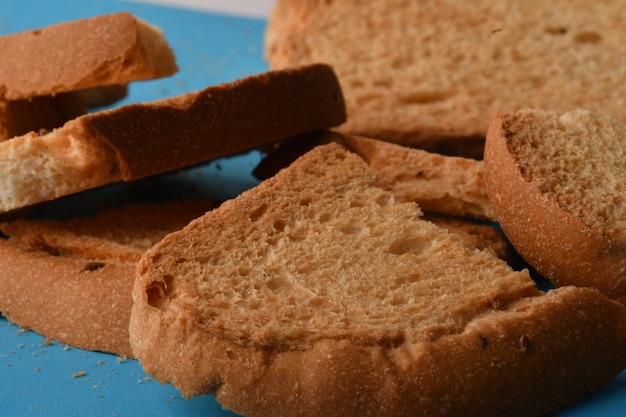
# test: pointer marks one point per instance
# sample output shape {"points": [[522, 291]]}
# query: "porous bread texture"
{"points": [[109, 49], [67, 160], [143, 139], [315, 293], [71, 280], [443, 184], [42, 113], [556, 182], [476, 235], [292, 232], [420, 72]]}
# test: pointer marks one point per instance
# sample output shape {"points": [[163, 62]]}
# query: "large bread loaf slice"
{"points": [[426, 72], [143, 139], [71, 280], [315, 293], [556, 182]]}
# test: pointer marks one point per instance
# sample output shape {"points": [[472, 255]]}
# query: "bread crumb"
{"points": [[79, 374]]}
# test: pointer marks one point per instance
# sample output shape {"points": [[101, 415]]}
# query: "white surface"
{"points": [[251, 8]]}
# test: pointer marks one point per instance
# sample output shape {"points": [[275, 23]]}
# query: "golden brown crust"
{"points": [[109, 49], [555, 242], [508, 363], [42, 113], [72, 280], [220, 120]]}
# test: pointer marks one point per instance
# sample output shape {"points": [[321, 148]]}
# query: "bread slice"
{"points": [[71, 280], [41, 113], [556, 182], [441, 184], [426, 72], [315, 293], [143, 139], [109, 49]]}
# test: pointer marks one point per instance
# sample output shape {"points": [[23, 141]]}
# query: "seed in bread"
{"points": [[556, 182], [316, 293]]}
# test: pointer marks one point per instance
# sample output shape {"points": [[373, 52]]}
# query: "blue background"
{"points": [[39, 379]]}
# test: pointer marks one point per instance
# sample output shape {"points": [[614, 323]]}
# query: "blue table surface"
{"points": [[51, 379]]}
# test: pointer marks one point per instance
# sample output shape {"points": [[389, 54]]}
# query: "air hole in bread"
{"points": [[407, 245], [279, 225], [556, 30], [160, 292], [92, 266], [588, 37], [257, 213]]}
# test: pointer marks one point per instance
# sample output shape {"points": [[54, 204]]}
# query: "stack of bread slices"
{"points": [[360, 277]]}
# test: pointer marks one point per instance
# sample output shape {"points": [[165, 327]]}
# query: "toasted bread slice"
{"points": [[109, 49], [556, 182], [427, 72], [316, 293], [71, 280], [143, 139], [442, 184]]}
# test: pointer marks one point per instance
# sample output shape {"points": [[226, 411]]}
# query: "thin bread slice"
{"points": [[109, 49], [425, 72], [41, 113], [315, 293], [442, 184], [71, 280], [556, 182], [143, 139]]}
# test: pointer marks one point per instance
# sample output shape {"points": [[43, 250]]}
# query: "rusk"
{"points": [[425, 72], [143, 139], [442, 184], [438, 183], [71, 280], [109, 49], [315, 293], [556, 182]]}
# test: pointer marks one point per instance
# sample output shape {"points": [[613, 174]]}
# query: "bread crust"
{"points": [[559, 245], [510, 363], [39, 114], [219, 120], [108, 49]]}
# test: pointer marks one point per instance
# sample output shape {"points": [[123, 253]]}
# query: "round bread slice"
{"points": [[315, 293], [71, 280], [557, 185]]}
